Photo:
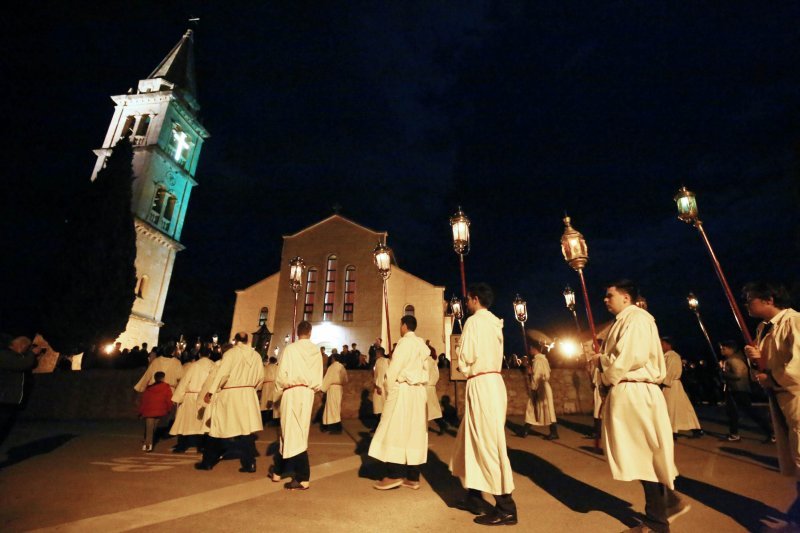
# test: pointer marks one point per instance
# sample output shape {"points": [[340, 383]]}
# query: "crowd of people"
{"points": [[641, 402]]}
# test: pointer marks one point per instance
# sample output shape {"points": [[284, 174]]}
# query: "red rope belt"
{"points": [[293, 386], [240, 387], [483, 374], [634, 381]]}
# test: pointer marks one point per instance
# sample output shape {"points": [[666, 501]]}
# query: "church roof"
{"points": [[178, 66], [335, 217]]}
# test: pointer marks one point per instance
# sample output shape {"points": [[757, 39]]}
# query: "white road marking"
{"points": [[202, 502]]}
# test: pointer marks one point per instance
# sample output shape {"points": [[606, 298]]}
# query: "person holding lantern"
{"points": [[636, 427], [778, 342]]}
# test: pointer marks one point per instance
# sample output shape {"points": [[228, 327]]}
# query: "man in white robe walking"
{"points": [[299, 377], [401, 440], [235, 412], [778, 342], [682, 416], [541, 410], [379, 383], [480, 458], [332, 385], [636, 428], [188, 425]]}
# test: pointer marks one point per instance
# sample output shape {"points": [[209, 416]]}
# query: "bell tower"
{"points": [[161, 118]]}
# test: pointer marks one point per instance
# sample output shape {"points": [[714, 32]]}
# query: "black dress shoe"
{"points": [[203, 466], [179, 450], [248, 469], [496, 519]]}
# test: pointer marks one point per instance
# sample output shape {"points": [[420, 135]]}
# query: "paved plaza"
{"points": [[81, 476]]}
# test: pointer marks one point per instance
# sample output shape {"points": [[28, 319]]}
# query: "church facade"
{"points": [[161, 119], [341, 293]]}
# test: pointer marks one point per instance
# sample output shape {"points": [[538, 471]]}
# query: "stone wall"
{"points": [[109, 394]]}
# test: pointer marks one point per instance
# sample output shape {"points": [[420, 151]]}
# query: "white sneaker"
{"points": [[679, 509], [144, 447]]}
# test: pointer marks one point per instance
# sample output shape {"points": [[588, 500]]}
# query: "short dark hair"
{"points": [[410, 322], [765, 290], [273, 360], [240, 337], [533, 343], [304, 328], [483, 292], [669, 340], [159, 376], [381, 350], [733, 344], [626, 286]]}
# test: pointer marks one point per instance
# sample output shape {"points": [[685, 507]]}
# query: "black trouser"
{"points": [[245, 443], [504, 503], [398, 471], [657, 498], [297, 464], [735, 400], [8, 415]]}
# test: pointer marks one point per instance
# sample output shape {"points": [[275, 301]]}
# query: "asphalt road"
{"points": [[80, 476]]}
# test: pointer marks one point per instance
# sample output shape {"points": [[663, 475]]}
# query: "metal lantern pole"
{"points": [[576, 254], [694, 306], [521, 312], [686, 202], [296, 267], [382, 255], [459, 223]]}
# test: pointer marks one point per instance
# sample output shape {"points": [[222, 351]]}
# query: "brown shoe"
{"points": [[296, 485], [387, 483], [413, 485]]}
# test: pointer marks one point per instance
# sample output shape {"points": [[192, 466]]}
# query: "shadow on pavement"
{"points": [[575, 494], [370, 468], [766, 460], [43, 446], [583, 429], [746, 511], [437, 473]]}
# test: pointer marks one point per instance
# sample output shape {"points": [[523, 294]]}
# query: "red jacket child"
{"points": [[156, 400]]}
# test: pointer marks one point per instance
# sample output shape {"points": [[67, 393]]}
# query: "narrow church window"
{"points": [[262, 316], [311, 288], [409, 310], [127, 128], [349, 293], [141, 285], [169, 210], [141, 129], [330, 288], [159, 200]]}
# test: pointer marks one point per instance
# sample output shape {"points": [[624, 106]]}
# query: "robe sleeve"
{"points": [[328, 379], [467, 351], [180, 390], [141, 385], [673, 370], [787, 370], [223, 372], [632, 349]]}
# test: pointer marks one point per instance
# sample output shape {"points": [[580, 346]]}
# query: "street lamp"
{"points": [[459, 223], [694, 306], [576, 254], [458, 312], [686, 202], [296, 268], [382, 255], [521, 312]]}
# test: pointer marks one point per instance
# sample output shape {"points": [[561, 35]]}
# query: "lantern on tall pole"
{"points": [[694, 306], [296, 268], [521, 314], [382, 255], [569, 302], [459, 223], [576, 254], [686, 202]]}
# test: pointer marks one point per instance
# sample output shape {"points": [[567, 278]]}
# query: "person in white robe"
{"points": [[379, 383], [480, 458], [778, 343], [188, 425], [540, 410], [235, 412], [168, 364], [333, 387], [269, 394], [682, 416], [299, 377], [636, 429], [401, 440], [434, 407]]}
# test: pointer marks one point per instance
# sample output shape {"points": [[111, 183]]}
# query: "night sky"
{"points": [[401, 111]]}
